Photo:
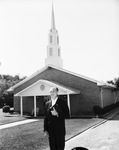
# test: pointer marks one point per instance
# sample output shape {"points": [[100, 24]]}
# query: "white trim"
{"points": [[75, 74], [21, 105], [34, 106], [51, 84], [46, 67], [99, 83], [68, 102], [30, 77]]}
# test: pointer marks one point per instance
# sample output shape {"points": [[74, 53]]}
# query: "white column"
{"points": [[34, 106], [21, 105], [68, 102]]}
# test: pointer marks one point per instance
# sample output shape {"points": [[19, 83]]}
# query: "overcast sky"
{"points": [[88, 32]]}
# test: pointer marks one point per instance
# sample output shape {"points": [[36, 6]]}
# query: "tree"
{"points": [[111, 82], [7, 81], [114, 82], [117, 82]]}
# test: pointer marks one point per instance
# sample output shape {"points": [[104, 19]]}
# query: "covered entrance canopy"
{"points": [[41, 88]]}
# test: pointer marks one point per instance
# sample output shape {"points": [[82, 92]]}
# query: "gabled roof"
{"points": [[99, 83], [68, 89], [52, 84]]}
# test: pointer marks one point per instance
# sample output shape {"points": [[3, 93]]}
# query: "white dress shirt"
{"points": [[54, 101]]}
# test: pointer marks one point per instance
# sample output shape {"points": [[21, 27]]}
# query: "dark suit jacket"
{"points": [[55, 125]]}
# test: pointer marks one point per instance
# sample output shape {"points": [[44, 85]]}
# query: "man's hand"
{"points": [[54, 112], [46, 134]]}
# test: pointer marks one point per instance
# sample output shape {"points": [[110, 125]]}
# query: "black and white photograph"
{"points": [[59, 74]]}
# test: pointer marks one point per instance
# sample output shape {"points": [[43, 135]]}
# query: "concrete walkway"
{"points": [[17, 123], [103, 136]]}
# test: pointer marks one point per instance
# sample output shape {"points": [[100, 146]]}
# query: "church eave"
{"points": [[51, 66]]}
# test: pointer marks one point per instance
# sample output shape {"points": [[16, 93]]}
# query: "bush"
{"points": [[97, 110], [6, 109]]}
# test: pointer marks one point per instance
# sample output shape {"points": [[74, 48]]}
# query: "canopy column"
{"points": [[34, 106], [21, 105], [68, 103]]}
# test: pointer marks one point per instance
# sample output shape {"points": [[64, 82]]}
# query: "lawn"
{"points": [[31, 137], [9, 118]]}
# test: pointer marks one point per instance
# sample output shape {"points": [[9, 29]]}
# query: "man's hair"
{"points": [[57, 89], [54, 88]]}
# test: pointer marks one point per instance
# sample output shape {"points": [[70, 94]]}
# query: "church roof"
{"points": [[75, 75], [70, 90]]}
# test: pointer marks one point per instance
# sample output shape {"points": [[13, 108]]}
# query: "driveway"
{"points": [[102, 137]]}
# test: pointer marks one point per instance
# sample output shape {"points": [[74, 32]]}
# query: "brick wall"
{"points": [[108, 97], [90, 93], [17, 104]]}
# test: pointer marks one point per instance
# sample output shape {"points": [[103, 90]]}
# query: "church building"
{"points": [[81, 93]]}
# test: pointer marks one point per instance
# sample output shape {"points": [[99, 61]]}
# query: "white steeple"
{"points": [[53, 48], [52, 19]]}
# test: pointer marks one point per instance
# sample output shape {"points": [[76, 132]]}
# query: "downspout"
{"points": [[115, 96], [102, 105]]}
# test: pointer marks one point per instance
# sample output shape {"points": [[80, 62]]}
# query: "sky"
{"points": [[88, 33]]}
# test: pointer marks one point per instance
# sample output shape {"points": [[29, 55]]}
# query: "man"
{"points": [[54, 122]]}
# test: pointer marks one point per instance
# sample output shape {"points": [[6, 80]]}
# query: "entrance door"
{"points": [[40, 104]]}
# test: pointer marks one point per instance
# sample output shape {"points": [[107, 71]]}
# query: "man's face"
{"points": [[53, 93]]}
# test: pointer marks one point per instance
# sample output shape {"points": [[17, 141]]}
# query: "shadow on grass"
{"points": [[79, 148], [8, 116], [42, 117], [32, 117]]}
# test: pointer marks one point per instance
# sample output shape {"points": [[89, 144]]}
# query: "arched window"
{"points": [[50, 38], [58, 51], [51, 51], [57, 40]]}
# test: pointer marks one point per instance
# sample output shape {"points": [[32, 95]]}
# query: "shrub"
{"points": [[6, 109], [97, 110]]}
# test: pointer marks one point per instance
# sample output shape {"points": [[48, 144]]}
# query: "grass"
{"points": [[31, 137], [26, 137], [9, 118]]}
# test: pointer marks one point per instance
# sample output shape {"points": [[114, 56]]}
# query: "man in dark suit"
{"points": [[54, 122]]}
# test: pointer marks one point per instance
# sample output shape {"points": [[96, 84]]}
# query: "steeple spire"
{"points": [[53, 48], [53, 19]]}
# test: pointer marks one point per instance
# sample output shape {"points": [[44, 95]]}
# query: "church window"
{"points": [[42, 87], [50, 38], [57, 40], [58, 51], [51, 51]]}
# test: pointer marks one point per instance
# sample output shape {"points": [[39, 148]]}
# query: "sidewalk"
{"points": [[88, 138], [8, 120], [8, 125]]}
